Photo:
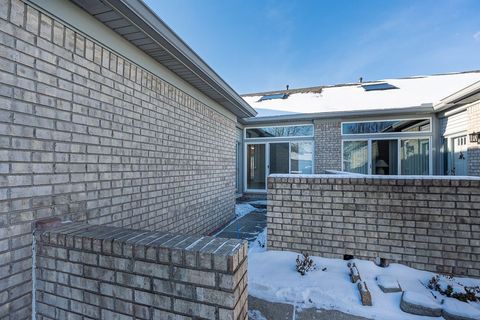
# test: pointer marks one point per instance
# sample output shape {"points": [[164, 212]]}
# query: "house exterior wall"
{"points": [[155, 276], [474, 148], [430, 223], [328, 145], [88, 135]]}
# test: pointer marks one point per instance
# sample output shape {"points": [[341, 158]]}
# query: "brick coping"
{"points": [[380, 177]]}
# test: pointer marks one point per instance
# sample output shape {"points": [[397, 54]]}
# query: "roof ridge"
{"points": [[319, 89]]}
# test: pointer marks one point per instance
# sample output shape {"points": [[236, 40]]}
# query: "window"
{"points": [[274, 96], [301, 157], [273, 132], [378, 86], [405, 156], [388, 126], [355, 156], [415, 156]]}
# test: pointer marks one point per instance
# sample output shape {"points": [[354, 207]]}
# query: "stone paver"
{"points": [[247, 227]]}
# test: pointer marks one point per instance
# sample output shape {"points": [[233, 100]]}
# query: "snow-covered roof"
{"points": [[410, 93]]}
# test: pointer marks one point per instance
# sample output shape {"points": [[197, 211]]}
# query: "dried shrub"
{"points": [[469, 294], [305, 264]]}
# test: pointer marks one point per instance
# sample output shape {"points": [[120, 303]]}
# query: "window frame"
{"points": [[387, 133], [399, 139], [279, 138]]}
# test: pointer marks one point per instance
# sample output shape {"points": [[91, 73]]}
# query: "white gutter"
{"points": [[422, 109], [453, 99]]}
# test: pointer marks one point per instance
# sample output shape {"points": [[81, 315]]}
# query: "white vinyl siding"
{"points": [[454, 124]]}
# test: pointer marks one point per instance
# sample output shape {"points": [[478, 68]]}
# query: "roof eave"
{"points": [[142, 17], [457, 97], [422, 109]]}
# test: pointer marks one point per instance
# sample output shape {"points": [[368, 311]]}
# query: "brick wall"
{"points": [[105, 272], [328, 145], [474, 148], [89, 136], [429, 223]]}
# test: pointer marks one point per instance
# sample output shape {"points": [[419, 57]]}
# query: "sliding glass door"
{"points": [[262, 159], [279, 155], [256, 166], [385, 157]]}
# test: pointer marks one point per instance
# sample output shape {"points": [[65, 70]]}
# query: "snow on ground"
{"points": [[255, 315], [242, 209], [272, 276], [260, 244]]}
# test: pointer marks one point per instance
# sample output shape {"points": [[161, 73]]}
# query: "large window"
{"points": [[387, 147], [388, 126], [276, 132], [405, 156], [301, 157]]}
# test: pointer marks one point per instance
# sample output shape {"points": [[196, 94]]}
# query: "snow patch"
{"points": [[255, 315], [272, 276], [460, 309], [420, 299], [242, 209]]}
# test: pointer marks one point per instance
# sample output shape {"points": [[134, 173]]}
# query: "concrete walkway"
{"points": [[283, 311]]}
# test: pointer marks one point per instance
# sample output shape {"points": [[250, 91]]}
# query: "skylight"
{"points": [[378, 86], [274, 96]]}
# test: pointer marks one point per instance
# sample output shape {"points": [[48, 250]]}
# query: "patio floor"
{"points": [[247, 227]]}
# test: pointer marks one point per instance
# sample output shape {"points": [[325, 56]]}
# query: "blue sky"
{"points": [[261, 45]]}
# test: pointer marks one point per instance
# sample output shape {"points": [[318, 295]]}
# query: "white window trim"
{"points": [[279, 138], [386, 133], [267, 161], [399, 155]]}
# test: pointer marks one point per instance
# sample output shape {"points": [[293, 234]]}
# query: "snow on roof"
{"points": [[412, 92]]}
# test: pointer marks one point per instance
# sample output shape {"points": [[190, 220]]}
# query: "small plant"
{"points": [[305, 264]]}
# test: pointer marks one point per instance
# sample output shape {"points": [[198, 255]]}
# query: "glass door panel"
{"points": [[301, 156], [256, 172], [415, 156], [279, 157], [355, 156], [385, 157]]}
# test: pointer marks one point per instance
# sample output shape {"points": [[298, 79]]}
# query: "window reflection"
{"points": [[412, 125], [272, 132]]}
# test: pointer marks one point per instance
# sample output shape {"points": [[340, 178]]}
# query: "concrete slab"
{"points": [[271, 310], [285, 311], [320, 314]]}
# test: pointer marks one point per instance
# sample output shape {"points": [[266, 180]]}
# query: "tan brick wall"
{"points": [[328, 145], [89, 136], [431, 224], [104, 272], [474, 148]]}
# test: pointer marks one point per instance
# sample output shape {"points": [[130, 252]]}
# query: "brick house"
{"points": [[409, 126], [106, 117]]}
